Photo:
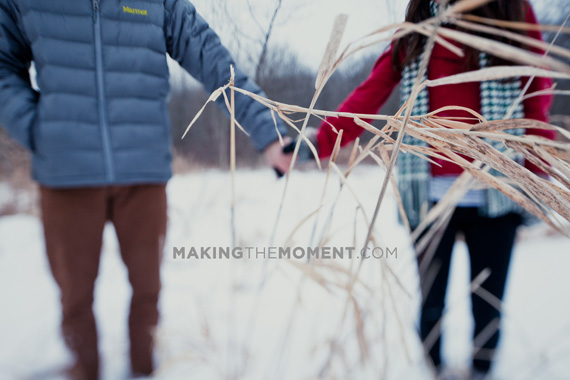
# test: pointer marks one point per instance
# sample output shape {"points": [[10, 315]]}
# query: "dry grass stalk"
{"points": [[415, 92], [333, 158], [233, 156], [523, 26]]}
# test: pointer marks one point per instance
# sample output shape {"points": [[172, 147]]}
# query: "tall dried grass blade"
{"points": [[411, 101], [515, 25], [505, 51], [233, 157], [331, 50]]}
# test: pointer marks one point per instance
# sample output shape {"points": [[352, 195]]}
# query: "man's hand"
{"points": [[276, 158]]}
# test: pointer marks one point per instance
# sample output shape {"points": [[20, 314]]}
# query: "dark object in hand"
{"points": [[279, 173]]}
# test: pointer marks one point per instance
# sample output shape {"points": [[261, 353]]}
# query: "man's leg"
{"points": [[433, 284], [139, 216], [490, 242], [73, 221]]}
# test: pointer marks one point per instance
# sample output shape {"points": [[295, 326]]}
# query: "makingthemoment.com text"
{"points": [[285, 253]]}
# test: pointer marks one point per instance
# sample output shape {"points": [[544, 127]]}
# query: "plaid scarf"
{"points": [[414, 173]]}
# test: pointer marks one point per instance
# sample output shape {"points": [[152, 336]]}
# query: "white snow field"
{"points": [[277, 319]]}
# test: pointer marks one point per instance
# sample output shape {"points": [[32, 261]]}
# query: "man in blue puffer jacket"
{"points": [[100, 139]]}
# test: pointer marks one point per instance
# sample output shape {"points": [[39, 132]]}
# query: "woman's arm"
{"points": [[367, 98]]}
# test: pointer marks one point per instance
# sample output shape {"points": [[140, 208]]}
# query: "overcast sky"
{"points": [[306, 25]]}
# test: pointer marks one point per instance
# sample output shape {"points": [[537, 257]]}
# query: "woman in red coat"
{"points": [[487, 219]]}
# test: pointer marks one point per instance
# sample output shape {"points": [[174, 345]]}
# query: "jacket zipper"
{"points": [[109, 165]]}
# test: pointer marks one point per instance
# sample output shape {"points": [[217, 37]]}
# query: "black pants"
{"points": [[490, 242]]}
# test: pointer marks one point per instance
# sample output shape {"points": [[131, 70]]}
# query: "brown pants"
{"points": [[73, 222]]}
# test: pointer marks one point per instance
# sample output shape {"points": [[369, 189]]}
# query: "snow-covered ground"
{"points": [[256, 319]]}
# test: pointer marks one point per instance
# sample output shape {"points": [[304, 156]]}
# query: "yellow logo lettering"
{"points": [[134, 11]]}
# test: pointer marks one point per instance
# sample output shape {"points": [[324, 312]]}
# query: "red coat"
{"points": [[369, 97]]}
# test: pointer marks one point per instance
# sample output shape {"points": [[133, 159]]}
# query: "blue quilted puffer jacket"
{"points": [[100, 117]]}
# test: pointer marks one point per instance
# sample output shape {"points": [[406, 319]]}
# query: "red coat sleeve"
{"points": [[537, 107], [367, 98]]}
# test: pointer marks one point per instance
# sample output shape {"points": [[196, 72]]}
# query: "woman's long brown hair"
{"points": [[419, 10]]}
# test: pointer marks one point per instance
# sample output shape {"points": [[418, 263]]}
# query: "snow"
{"points": [[237, 318]]}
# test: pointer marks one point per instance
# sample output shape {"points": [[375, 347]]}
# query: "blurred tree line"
{"points": [[284, 79]]}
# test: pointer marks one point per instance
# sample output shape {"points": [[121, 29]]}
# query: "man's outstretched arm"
{"points": [[198, 49]]}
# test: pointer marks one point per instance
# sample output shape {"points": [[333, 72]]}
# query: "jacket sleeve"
{"points": [[367, 98], [537, 107], [192, 43], [18, 100]]}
